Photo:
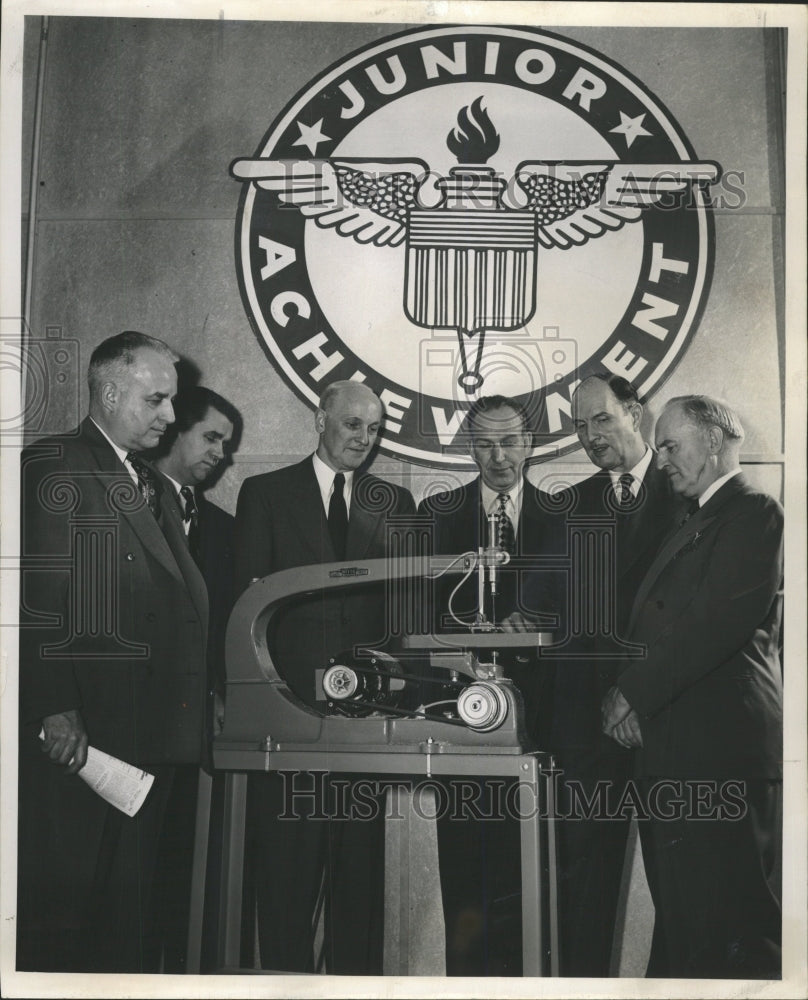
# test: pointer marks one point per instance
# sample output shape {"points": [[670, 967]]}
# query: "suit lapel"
{"points": [[364, 523], [681, 536], [140, 519], [166, 544], [310, 519]]}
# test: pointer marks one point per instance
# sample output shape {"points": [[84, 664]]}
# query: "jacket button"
{"points": [[130, 557], [660, 604], [151, 616], [345, 621]]}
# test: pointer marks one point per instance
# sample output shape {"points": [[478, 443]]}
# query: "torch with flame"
{"points": [[471, 264]]}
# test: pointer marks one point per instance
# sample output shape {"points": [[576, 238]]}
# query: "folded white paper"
{"points": [[122, 785]]}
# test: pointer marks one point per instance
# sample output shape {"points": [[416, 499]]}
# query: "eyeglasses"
{"points": [[514, 441]]}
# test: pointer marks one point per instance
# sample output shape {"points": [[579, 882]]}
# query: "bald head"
{"points": [[347, 420]]}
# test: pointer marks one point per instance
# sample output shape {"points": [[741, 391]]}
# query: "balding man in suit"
{"points": [[631, 502], [325, 508], [114, 614], [703, 706]]}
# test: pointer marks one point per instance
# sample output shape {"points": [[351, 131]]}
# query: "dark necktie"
{"points": [[148, 483], [338, 517], [505, 535], [191, 517], [625, 496], [692, 507]]}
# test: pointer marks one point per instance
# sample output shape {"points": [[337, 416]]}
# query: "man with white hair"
{"points": [[326, 508], [704, 705]]}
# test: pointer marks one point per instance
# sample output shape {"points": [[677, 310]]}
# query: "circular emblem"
{"points": [[467, 211]]}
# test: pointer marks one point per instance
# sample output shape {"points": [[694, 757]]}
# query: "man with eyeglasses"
{"points": [[479, 859]]}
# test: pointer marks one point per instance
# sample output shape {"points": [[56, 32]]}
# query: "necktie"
{"points": [[505, 534], [191, 517], [148, 483], [625, 496], [338, 517], [692, 507]]}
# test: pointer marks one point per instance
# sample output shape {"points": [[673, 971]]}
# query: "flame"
{"points": [[474, 139]]}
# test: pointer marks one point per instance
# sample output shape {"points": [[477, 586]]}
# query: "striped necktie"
{"points": [[506, 539]]}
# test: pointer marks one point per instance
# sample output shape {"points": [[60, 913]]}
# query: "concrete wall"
{"points": [[135, 211]]}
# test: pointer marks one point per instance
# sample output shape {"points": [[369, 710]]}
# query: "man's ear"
{"points": [[109, 396], [636, 415], [319, 420], [715, 439]]}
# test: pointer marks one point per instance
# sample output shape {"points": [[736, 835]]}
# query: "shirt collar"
{"points": [[325, 480], [637, 473], [713, 488], [120, 452], [489, 496]]}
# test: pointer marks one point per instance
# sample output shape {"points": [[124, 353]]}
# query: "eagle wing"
{"points": [[368, 200], [577, 201]]}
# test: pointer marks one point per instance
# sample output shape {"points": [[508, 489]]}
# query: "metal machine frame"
{"points": [[267, 728]]}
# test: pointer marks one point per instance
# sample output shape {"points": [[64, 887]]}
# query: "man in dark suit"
{"points": [[630, 503], [705, 706], [190, 455], [114, 623], [479, 859], [324, 509]]}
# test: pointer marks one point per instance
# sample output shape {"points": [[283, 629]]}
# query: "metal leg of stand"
{"points": [[397, 882], [235, 809], [198, 872], [552, 864], [529, 808]]}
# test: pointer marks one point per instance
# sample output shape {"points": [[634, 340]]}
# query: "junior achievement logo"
{"points": [[464, 211]]}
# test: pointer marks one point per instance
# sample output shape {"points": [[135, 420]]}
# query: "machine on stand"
{"points": [[441, 708]]}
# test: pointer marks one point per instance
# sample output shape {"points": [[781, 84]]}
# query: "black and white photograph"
{"points": [[403, 446]]}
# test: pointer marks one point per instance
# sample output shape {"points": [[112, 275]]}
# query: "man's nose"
{"points": [[498, 452], [166, 411], [363, 435], [661, 460]]}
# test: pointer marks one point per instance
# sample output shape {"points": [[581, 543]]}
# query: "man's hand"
{"points": [[65, 740], [619, 720], [517, 622]]}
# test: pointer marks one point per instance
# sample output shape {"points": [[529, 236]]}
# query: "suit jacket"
{"points": [[281, 523], [709, 690], [114, 610], [215, 559], [582, 678], [459, 524]]}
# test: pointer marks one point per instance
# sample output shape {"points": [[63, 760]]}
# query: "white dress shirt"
{"points": [[325, 480]]}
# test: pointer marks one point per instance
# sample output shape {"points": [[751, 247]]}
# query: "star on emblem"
{"points": [[630, 127], [311, 136]]}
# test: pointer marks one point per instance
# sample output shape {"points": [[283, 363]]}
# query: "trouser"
{"points": [[591, 835], [480, 872], [295, 842], [87, 875], [717, 912]]}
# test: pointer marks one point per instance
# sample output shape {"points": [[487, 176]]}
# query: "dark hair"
{"points": [[115, 354], [706, 412], [191, 404], [485, 404], [622, 389]]}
